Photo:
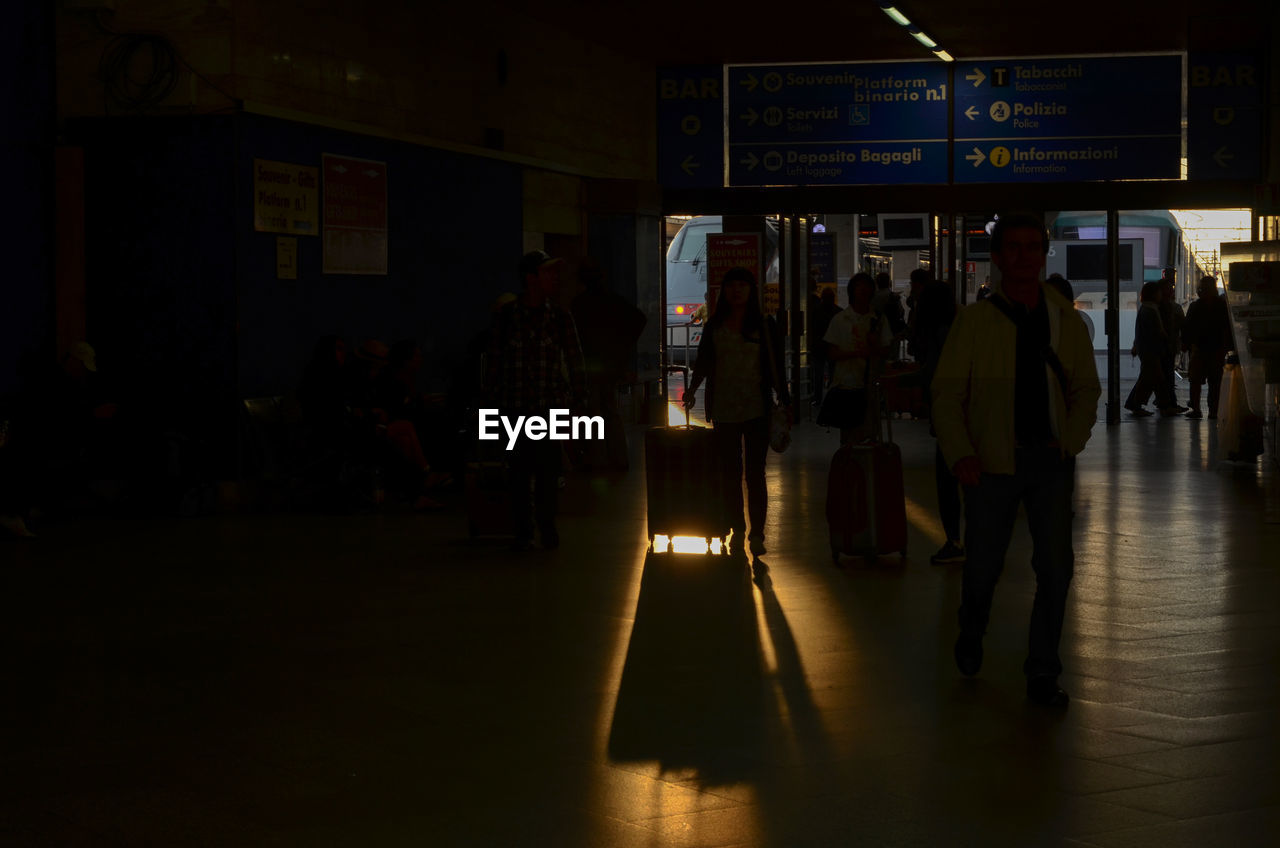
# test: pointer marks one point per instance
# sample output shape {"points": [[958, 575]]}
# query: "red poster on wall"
{"points": [[355, 215], [730, 250]]}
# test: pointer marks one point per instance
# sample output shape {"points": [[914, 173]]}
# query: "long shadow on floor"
{"points": [[691, 695]]}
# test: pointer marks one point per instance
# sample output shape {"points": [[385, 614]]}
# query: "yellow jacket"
{"points": [[973, 386]]}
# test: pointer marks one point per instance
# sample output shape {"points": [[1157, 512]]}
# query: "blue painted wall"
{"points": [[182, 296], [26, 223], [454, 243]]}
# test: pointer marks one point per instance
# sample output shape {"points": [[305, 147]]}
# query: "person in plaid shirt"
{"points": [[535, 364]]}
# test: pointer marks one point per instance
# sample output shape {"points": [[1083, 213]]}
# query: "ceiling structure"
{"points": [[857, 30], [693, 32]]}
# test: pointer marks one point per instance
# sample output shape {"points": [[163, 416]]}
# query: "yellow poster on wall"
{"points": [[286, 198]]}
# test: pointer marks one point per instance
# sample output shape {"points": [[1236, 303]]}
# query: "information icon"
{"points": [[1000, 156]]}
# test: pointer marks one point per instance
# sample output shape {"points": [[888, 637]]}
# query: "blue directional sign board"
{"points": [[1224, 116], [837, 124], [1068, 119], [691, 126]]}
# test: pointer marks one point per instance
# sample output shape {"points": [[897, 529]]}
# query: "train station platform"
{"points": [[383, 680]]}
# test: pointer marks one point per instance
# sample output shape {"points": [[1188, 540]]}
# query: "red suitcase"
{"points": [[866, 501]]}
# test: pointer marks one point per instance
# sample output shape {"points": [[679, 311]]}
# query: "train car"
{"points": [[1150, 241]]}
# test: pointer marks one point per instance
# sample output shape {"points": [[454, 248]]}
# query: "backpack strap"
{"points": [[1050, 355]]}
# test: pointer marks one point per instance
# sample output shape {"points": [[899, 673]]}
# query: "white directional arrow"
{"points": [[734, 242], [341, 169], [977, 77], [751, 117], [751, 161], [977, 157], [689, 164], [749, 81], [370, 172], [972, 113], [1222, 157]]}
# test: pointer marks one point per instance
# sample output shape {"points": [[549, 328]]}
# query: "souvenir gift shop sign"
{"points": [[286, 198], [355, 215], [734, 250]]}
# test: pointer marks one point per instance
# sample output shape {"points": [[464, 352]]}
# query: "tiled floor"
{"points": [[380, 680]]}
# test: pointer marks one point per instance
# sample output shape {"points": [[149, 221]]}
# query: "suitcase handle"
{"points": [[682, 369], [877, 403]]}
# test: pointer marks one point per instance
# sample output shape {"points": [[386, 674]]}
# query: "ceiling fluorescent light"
{"points": [[924, 39], [896, 15], [943, 55]]}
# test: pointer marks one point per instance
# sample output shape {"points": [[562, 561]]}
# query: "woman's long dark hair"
{"points": [[753, 321]]}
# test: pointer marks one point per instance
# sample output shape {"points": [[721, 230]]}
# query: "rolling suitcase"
{"points": [[866, 502], [487, 496], [486, 483], [685, 484]]}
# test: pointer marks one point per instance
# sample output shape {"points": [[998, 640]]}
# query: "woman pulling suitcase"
{"points": [[734, 360]]}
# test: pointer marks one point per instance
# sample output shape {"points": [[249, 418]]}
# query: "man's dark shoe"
{"points": [[1044, 689], [1139, 411], [1195, 413], [1171, 411], [969, 654], [950, 552]]}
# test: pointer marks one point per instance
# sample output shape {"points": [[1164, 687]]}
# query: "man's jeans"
{"points": [[1043, 483], [536, 462]]}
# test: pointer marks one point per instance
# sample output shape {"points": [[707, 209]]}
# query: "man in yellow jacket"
{"points": [[1015, 397]]}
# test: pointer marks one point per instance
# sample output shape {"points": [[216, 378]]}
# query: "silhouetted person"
{"points": [[1172, 318], [734, 361], [1151, 346], [608, 325], [1014, 399], [887, 305], [535, 365], [412, 427], [467, 391], [1207, 336], [822, 308], [856, 341], [69, 427], [919, 277], [360, 376], [322, 394], [1063, 285], [932, 315]]}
